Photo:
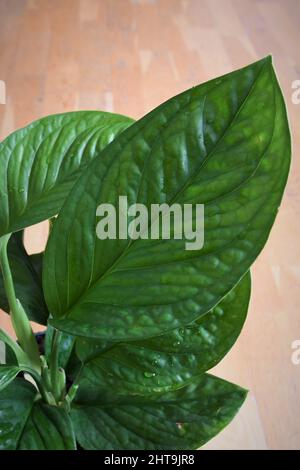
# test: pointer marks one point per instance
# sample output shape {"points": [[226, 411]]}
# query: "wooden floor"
{"points": [[130, 55]]}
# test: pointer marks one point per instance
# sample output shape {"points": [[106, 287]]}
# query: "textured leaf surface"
{"points": [[30, 425], [40, 163], [226, 144], [169, 361], [184, 419], [26, 273]]}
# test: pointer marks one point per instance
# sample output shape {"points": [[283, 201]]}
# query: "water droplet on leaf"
{"points": [[148, 375]]}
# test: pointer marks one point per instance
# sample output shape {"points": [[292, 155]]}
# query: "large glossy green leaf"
{"points": [[226, 144], [26, 273], [40, 163], [184, 419], [30, 425], [169, 361]]}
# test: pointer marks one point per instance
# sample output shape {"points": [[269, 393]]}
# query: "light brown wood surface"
{"points": [[128, 56]]}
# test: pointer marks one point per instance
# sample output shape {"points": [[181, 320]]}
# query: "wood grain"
{"points": [[129, 56]]}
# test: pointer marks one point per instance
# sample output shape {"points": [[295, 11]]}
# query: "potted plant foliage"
{"points": [[133, 325]]}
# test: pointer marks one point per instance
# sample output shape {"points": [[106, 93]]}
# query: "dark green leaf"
{"points": [[48, 428], [184, 419], [40, 163], [226, 144], [27, 424], [16, 402], [37, 263], [169, 361], [89, 348], [26, 273]]}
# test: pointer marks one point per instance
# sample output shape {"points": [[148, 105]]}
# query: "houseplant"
{"points": [[133, 325]]}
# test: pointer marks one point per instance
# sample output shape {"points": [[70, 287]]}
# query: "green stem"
{"points": [[54, 366], [47, 396], [19, 318], [55, 349], [73, 389], [7, 277]]}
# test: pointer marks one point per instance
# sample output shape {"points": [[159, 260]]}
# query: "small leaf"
{"points": [[27, 281], [40, 163], [169, 361], [29, 425], [225, 144], [184, 419], [15, 355], [7, 375]]}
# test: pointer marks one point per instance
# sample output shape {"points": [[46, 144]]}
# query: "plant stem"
{"points": [[73, 389], [54, 366], [7, 277], [54, 349], [47, 396], [28, 354], [19, 318]]}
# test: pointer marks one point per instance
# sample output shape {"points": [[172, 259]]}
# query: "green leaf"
{"points": [[184, 419], [29, 425], [169, 361], [40, 163], [16, 402], [89, 348], [26, 273], [7, 375], [48, 428], [37, 263], [15, 355], [9, 356], [226, 144]]}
